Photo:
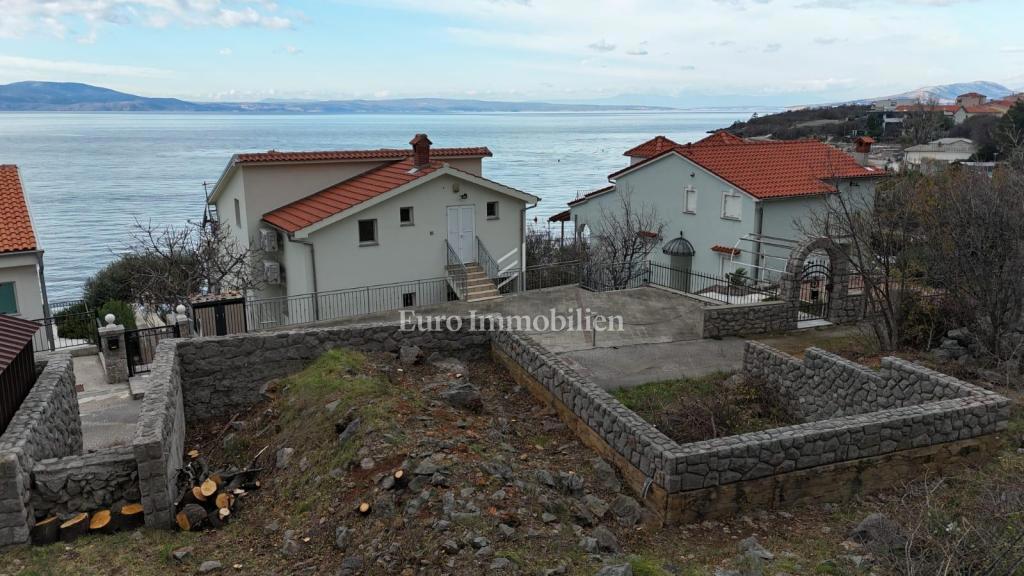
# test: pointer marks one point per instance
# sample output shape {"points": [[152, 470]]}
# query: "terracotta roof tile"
{"points": [[346, 194], [652, 147], [15, 334], [771, 168], [720, 138], [16, 232], [381, 154], [725, 249]]}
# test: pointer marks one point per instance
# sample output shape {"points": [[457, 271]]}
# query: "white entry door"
{"points": [[462, 231]]}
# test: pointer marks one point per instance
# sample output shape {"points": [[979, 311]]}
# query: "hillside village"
{"points": [[812, 364]]}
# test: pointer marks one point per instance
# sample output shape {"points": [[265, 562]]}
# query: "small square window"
{"points": [[408, 299], [492, 210], [367, 232], [690, 201], [405, 216]]}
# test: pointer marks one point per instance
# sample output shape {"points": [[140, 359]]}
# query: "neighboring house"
{"points": [[967, 106], [942, 151], [22, 285], [336, 220], [971, 99], [726, 197]]}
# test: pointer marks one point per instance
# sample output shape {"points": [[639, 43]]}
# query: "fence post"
{"points": [[114, 351], [183, 322]]}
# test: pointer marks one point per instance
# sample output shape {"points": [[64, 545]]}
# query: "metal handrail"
{"points": [[486, 261], [457, 273]]}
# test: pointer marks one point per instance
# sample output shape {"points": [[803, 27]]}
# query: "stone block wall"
{"points": [[638, 442], [846, 309], [223, 374], [88, 482], [740, 319], [159, 443], [46, 426]]}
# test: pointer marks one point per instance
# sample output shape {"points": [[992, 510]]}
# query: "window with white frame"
{"points": [[690, 200], [732, 205]]}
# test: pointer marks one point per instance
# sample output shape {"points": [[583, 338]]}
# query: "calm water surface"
{"points": [[89, 176]]}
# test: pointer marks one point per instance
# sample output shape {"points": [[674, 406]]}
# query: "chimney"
{"points": [[862, 149], [421, 149]]}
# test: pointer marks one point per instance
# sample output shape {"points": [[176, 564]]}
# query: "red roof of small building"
{"points": [[563, 216], [16, 234], [346, 194], [15, 334], [951, 108], [652, 147], [985, 109], [771, 168], [971, 94], [382, 154]]}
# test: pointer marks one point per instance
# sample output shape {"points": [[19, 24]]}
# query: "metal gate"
{"points": [[815, 290], [141, 346], [220, 317]]}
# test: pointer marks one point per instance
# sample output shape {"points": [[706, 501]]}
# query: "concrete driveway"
{"points": [[660, 337]]}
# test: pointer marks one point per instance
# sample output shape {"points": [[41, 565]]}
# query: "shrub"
{"points": [[112, 282], [122, 311], [76, 322]]}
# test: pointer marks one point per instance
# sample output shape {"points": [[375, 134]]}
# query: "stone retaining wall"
{"points": [[739, 319], [46, 426], [159, 443], [87, 482], [869, 415], [224, 374]]}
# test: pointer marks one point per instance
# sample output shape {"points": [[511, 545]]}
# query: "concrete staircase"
{"points": [[478, 285]]}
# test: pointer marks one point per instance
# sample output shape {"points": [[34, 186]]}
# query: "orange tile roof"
{"points": [[719, 138], [771, 168], [16, 234], [346, 194], [985, 109], [725, 249], [381, 154], [652, 147]]}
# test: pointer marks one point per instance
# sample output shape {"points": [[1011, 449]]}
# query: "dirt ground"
{"points": [[507, 489]]}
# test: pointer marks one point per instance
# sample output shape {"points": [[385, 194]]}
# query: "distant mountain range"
{"points": [[947, 93], [74, 97]]}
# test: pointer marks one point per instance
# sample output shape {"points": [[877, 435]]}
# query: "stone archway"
{"points": [[837, 288]]}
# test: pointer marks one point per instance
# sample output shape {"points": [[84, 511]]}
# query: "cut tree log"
{"points": [[223, 500], [208, 488], [191, 517], [401, 478], [364, 508], [197, 493], [193, 454], [101, 521], [129, 517], [45, 531], [72, 528]]}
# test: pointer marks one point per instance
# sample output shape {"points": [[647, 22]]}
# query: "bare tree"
{"points": [[876, 235], [172, 264], [975, 251], [924, 123], [621, 241]]}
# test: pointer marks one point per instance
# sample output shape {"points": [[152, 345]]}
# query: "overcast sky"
{"points": [[798, 50]]}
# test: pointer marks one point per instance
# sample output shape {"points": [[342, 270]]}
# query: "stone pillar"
{"points": [[183, 321], [114, 351], [15, 505]]}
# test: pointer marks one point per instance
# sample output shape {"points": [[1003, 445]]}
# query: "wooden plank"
{"points": [[656, 499]]}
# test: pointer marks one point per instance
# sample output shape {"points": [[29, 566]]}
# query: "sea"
{"points": [[91, 176]]}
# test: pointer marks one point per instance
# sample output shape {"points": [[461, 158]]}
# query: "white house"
{"points": [[22, 288], [341, 220], [738, 203], [943, 151]]}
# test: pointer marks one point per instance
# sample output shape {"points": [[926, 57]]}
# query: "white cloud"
{"points": [[57, 17], [637, 52], [21, 67], [601, 46], [226, 52], [293, 50]]}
